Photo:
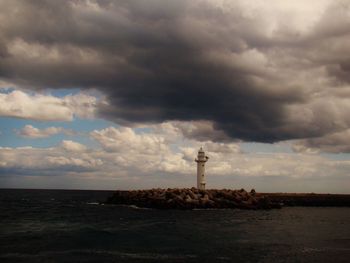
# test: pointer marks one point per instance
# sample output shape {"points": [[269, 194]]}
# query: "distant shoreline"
{"points": [[309, 199]]}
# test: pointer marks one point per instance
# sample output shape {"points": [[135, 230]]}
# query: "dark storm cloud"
{"points": [[330, 143], [178, 60]]}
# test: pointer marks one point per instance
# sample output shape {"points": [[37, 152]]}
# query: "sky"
{"points": [[121, 94]]}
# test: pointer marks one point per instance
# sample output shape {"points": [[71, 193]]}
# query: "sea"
{"points": [[72, 226]]}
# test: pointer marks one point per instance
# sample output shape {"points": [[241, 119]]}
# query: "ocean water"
{"points": [[70, 226]]}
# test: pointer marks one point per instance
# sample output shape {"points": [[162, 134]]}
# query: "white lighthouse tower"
{"points": [[201, 160]]}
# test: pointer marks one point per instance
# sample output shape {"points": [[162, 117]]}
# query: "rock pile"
{"points": [[191, 199]]}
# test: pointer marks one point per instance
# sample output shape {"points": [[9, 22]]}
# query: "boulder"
{"points": [[188, 199], [192, 195]]}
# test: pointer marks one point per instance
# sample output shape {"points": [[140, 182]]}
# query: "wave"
{"points": [[137, 207], [90, 252]]}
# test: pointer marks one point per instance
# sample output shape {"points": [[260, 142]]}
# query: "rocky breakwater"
{"points": [[192, 198]]}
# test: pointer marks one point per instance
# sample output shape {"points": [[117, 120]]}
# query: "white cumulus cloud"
{"points": [[29, 131], [46, 107], [72, 146], [135, 158]]}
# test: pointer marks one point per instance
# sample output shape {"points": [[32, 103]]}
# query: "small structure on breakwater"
{"points": [[201, 160]]}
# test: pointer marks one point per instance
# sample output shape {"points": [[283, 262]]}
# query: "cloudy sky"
{"points": [[121, 94]]}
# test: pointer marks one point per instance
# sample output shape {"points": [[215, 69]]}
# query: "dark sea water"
{"points": [[70, 226]]}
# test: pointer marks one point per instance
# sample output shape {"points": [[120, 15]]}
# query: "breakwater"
{"points": [[192, 199]]}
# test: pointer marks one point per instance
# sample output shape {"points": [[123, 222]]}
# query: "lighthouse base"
{"points": [[201, 186]]}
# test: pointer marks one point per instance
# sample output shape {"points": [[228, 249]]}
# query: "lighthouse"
{"points": [[201, 160]]}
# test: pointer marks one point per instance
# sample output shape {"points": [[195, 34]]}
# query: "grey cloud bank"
{"points": [[254, 73]]}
